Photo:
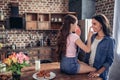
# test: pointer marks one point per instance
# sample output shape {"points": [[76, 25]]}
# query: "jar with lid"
{"points": [[13, 46]]}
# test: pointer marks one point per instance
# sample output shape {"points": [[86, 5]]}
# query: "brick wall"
{"points": [[21, 37], [35, 6], [106, 7]]}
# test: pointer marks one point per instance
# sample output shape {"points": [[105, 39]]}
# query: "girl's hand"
{"points": [[78, 31], [90, 33]]}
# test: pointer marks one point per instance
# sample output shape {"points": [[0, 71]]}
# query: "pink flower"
{"points": [[16, 61], [26, 58], [22, 57]]}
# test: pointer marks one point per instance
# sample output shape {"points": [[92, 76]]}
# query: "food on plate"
{"points": [[47, 74], [4, 77], [43, 73]]}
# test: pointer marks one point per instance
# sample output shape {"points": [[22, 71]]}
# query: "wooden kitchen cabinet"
{"points": [[45, 21], [45, 53], [43, 25], [31, 16], [42, 53], [31, 21], [31, 25], [37, 21]]}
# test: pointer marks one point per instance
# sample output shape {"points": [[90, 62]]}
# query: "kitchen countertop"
{"points": [[29, 48], [27, 73]]}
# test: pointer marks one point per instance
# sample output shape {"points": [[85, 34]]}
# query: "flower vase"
{"points": [[16, 76]]}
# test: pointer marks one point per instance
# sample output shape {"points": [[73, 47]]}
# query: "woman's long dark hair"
{"points": [[63, 34], [102, 19]]}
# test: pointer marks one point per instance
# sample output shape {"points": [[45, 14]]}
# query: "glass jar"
{"points": [[1, 15]]}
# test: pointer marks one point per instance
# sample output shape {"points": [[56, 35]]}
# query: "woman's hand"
{"points": [[93, 74], [97, 73]]}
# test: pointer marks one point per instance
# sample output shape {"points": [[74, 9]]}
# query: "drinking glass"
{"points": [[37, 64]]}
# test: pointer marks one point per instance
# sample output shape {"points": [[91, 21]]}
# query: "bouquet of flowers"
{"points": [[16, 61]]}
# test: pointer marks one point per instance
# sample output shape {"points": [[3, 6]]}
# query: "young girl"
{"points": [[67, 43]]}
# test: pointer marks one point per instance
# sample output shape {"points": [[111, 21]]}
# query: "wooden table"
{"points": [[54, 67]]}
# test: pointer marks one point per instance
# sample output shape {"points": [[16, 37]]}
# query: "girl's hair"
{"points": [[63, 34], [102, 19]]}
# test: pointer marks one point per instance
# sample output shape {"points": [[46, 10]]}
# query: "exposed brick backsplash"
{"points": [[22, 38], [106, 7]]}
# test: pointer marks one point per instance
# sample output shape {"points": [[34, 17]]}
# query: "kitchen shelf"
{"points": [[45, 21]]}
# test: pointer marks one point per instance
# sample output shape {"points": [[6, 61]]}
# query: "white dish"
{"points": [[52, 75]]}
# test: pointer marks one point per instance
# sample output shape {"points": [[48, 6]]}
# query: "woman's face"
{"points": [[96, 26]]}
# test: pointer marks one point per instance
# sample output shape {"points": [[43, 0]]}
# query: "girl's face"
{"points": [[96, 26]]}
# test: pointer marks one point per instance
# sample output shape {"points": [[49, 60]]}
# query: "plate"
{"points": [[52, 75]]}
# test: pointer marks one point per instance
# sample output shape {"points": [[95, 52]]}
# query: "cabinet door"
{"points": [[45, 53], [31, 16], [31, 25], [44, 25], [31, 21], [43, 17]]}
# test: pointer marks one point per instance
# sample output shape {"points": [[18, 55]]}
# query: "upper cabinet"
{"points": [[31, 21], [45, 21]]}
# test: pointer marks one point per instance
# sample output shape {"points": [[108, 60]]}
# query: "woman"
{"points": [[67, 43], [102, 48]]}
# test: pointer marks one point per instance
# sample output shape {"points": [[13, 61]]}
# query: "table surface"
{"points": [[53, 67]]}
